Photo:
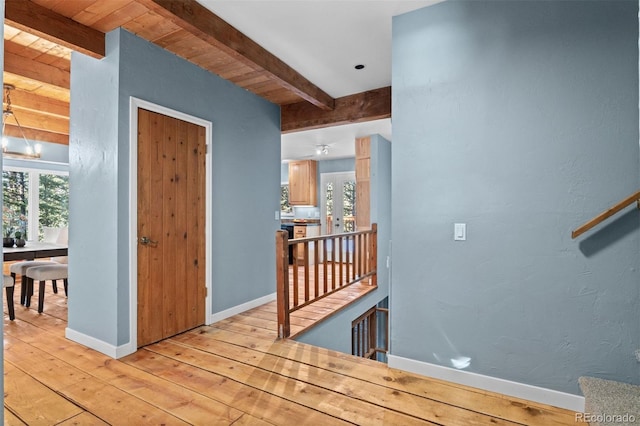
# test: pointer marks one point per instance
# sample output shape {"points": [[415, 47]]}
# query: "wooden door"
{"points": [[171, 226]]}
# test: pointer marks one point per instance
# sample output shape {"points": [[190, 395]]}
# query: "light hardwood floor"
{"points": [[234, 372]]}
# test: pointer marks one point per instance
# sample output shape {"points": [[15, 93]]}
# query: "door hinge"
{"points": [[206, 149]]}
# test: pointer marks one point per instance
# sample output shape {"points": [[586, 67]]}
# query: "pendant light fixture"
{"points": [[31, 152]]}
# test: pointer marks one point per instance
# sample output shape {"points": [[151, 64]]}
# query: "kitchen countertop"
{"points": [[298, 222]]}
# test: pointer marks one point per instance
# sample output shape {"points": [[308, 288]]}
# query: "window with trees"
{"points": [[33, 199], [285, 207]]}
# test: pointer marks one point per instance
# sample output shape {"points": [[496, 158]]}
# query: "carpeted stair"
{"points": [[609, 403]]}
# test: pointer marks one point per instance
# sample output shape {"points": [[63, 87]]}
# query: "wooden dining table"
{"points": [[33, 250]]}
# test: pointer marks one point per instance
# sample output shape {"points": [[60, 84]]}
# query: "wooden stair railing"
{"points": [[606, 214], [321, 266]]}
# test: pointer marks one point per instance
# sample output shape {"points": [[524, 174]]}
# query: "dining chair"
{"points": [[50, 234], [44, 273], [61, 236], [9, 284]]}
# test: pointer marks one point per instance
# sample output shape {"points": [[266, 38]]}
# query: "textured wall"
{"points": [[519, 119], [245, 181], [93, 194]]}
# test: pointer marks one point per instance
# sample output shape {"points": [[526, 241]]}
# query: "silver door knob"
{"points": [[147, 241]]}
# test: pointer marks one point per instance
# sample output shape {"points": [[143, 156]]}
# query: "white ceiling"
{"points": [[323, 40]]}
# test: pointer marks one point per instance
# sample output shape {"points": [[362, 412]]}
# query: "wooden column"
{"points": [[282, 283], [363, 183]]}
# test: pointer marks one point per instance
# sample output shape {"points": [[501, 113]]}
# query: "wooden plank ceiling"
{"points": [[39, 36]]}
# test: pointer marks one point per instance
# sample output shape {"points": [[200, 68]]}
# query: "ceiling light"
{"points": [[30, 151], [322, 149]]}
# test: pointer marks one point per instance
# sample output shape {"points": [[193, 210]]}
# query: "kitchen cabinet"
{"points": [[305, 231], [302, 183]]}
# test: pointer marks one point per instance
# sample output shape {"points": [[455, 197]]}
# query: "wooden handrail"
{"points": [[606, 214], [321, 266]]}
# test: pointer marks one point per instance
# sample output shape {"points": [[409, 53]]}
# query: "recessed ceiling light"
{"points": [[359, 67]]}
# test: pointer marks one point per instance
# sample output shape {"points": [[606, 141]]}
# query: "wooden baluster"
{"points": [[324, 264], [341, 250], [357, 260], [306, 271], [316, 260], [333, 264], [349, 258], [295, 275]]}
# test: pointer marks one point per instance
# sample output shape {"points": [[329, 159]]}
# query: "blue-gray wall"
{"points": [[519, 119], [336, 166], [335, 332], [245, 183]]}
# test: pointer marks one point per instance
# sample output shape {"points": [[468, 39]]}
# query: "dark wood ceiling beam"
{"points": [[34, 135], [361, 107], [42, 22], [200, 21], [34, 70]]}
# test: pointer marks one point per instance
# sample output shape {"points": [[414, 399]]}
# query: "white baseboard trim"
{"points": [[492, 384], [99, 345], [219, 316]]}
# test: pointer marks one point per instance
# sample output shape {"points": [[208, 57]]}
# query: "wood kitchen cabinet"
{"points": [[302, 183], [305, 231]]}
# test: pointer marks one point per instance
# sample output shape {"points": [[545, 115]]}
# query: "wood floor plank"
{"points": [[174, 399], [246, 329], [238, 367], [514, 409], [364, 390], [11, 419], [257, 403], [83, 419], [116, 406], [103, 399], [312, 396], [32, 402]]}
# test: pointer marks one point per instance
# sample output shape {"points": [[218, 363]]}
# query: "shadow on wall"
{"points": [[610, 233]]}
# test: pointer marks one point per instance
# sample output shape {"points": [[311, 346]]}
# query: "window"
{"points": [[53, 201], [28, 210], [15, 200], [284, 199]]}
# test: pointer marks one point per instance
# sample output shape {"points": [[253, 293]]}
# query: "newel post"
{"points": [[373, 253], [282, 283]]}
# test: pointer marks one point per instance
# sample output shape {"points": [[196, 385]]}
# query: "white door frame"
{"points": [[134, 105]]}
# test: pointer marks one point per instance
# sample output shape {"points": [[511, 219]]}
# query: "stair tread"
{"points": [[611, 398]]}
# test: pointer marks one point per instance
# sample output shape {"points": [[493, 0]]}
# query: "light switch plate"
{"points": [[459, 231]]}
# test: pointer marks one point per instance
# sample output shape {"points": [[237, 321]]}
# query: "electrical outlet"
{"points": [[637, 355]]}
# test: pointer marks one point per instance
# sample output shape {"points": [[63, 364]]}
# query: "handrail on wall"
{"points": [[606, 214]]}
